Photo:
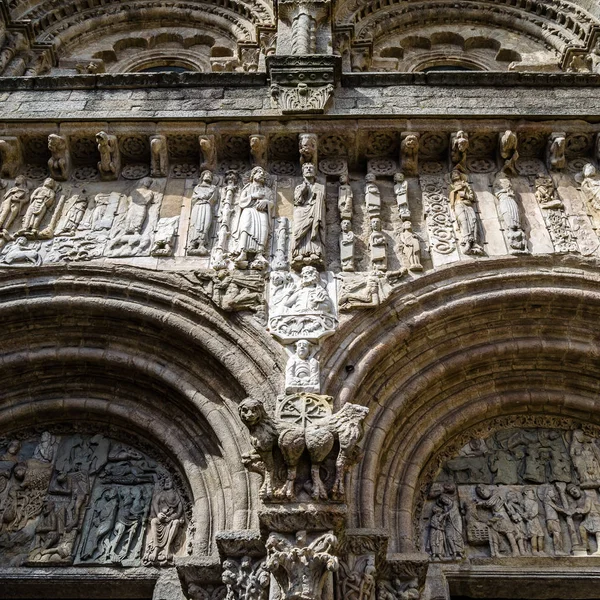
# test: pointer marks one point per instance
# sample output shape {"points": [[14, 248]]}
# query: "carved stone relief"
{"points": [[309, 424], [518, 492], [86, 499], [301, 306]]}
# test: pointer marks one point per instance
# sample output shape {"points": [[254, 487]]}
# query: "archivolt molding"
{"points": [[453, 351], [60, 28], [555, 25], [141, 353]]}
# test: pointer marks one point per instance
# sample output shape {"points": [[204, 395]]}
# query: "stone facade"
{"points": [[299, 300]]}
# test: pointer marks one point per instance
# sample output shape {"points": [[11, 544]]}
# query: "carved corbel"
{"points": [[258, 150], [508, 153], [10, 157], [308, 148], [159, 156], [109, 165], [208, 152], [59, 163], [409, 153], [459, 147], [555, 151]]}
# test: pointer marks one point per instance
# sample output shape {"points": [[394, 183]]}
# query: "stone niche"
{"points": [[86, 499], [521, 491]]}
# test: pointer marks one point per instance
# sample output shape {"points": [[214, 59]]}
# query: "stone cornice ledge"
{"points": [[200, 80], [472, 79], [106, 81]]}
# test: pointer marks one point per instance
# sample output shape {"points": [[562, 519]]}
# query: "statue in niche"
{"points": [[345, 198], [101, 525], [60, 161], [42, 199], [110, 160], [347, 241], [45, 451], [310, 295], [401, 193], [309, 220], [585, 455], [251, 231], [411, 247], [204, 198], [500, 524], [128, 520], [545, 193], [75, 214], [165, 521], [137, 211], [317, 438], [13, 202], [509, 212], [409, 151], [588, 507], [378, 246], [533, 524], [551, 508], [302, 371], [46, 530], [159, 156], [508, 143], [590, 186], [372, 196], [514, 508], [446, 523], [462, 202], [458, 151]]}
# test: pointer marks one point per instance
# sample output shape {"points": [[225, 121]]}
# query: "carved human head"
{"points": [[376, 224], [20, 471], [483, 491], [346, 225], [14, 447], [574, 491], [49, 183], [344, 178], [55, 142], [407, 226], [308, 169], [21, 181], [398, 177], [258, 174], [309, 276], [529, 492], [370, 177], [303, 349], [206, 176], [167, 483], [251, 412], [410, 141]]}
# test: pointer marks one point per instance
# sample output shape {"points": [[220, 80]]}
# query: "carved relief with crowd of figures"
{"points": [[521, 491], [87, 499]]}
